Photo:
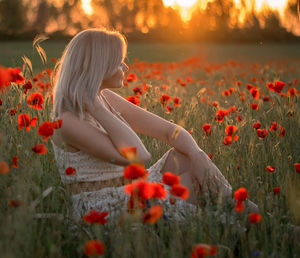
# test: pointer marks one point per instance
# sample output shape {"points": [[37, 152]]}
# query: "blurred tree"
{"points": [[12, 16], [48, 15]]}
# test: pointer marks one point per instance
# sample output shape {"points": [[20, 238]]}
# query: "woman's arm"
{"points": [[147, 123], [120, 134]]}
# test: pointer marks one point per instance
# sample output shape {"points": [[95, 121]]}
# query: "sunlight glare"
{"points": [[186, 3], [273, 4], [87, 7], [185, 7], [180, 3], [169, 2]]}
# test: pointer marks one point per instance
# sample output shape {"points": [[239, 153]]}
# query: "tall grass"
{"points": [[243, 163]]}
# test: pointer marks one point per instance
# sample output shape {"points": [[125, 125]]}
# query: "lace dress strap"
{"points": [[117, 113]]}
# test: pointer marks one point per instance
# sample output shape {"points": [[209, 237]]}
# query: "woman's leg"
{"points": [[180, 164]]}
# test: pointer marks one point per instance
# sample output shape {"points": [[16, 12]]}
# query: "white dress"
{"points": [[110, 199]]}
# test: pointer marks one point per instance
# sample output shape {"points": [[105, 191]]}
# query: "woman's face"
{"points": [[116, 80]]}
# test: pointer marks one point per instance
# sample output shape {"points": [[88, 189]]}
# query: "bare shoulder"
{"points": [[87, 137], [58, 136]]}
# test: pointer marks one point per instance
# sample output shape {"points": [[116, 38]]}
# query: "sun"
{"points": [[184, 6], [87, 7], [183, 3]]}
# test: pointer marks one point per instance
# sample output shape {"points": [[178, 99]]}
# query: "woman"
{"points": [[98, 123]]}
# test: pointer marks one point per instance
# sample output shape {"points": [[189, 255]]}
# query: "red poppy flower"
{"points": [[140, 188], [227, 140], [230, 130], [210, 156], [164, 99], [266, 98], [172, 200], [27, 86], [1, 102], [153, 214], [297, 167], [278, 87], [176, 101], [257, 125], [181, 82], [4, 168], [133, 99], [180, 191], [14, 162], [249, 86], [94, 248], [232, 109], [207, 129], [203, 250], [241, 194], [131, 77], [57, 124], [274, 126], [5, 77], [129, 153], [216, 104], [13, 111], [24, 121], [293, 91], [70, 171], [239, 118], [35, 100], [95, 217], [239, 206], [159, 191], [270, 169], [46, 130], [226, 93], [15, 75], [134, 171], [220, 115], [15, 203], [276, 190], [137, 91], [170, 179], [169, 109], [40, 149], [254, 106], [262, 133], [255, 93], [254, 217]]}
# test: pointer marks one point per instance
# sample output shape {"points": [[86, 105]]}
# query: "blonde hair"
{"points": [[90, 57]]}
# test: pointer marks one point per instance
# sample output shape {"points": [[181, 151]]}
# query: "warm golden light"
{"points": [[186, 3], [185, 7], [87, 7]]}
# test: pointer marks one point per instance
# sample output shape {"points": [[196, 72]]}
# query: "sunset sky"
{"points": [[186, 6]]}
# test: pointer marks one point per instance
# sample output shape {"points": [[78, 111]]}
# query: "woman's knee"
{"points": [[176, 162]]}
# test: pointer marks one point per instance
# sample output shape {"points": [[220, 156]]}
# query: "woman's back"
{"points": [[88, 167]]}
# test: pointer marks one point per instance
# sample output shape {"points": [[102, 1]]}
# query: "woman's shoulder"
{"points": [[69, 119]]}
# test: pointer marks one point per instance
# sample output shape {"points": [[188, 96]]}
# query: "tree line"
{"points": [[140, 20]]}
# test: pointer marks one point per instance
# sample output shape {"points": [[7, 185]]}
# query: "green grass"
{"points": [[25, 236], [12, 51]]}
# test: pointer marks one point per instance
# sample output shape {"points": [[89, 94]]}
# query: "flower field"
{"points": [[245, 116]]}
